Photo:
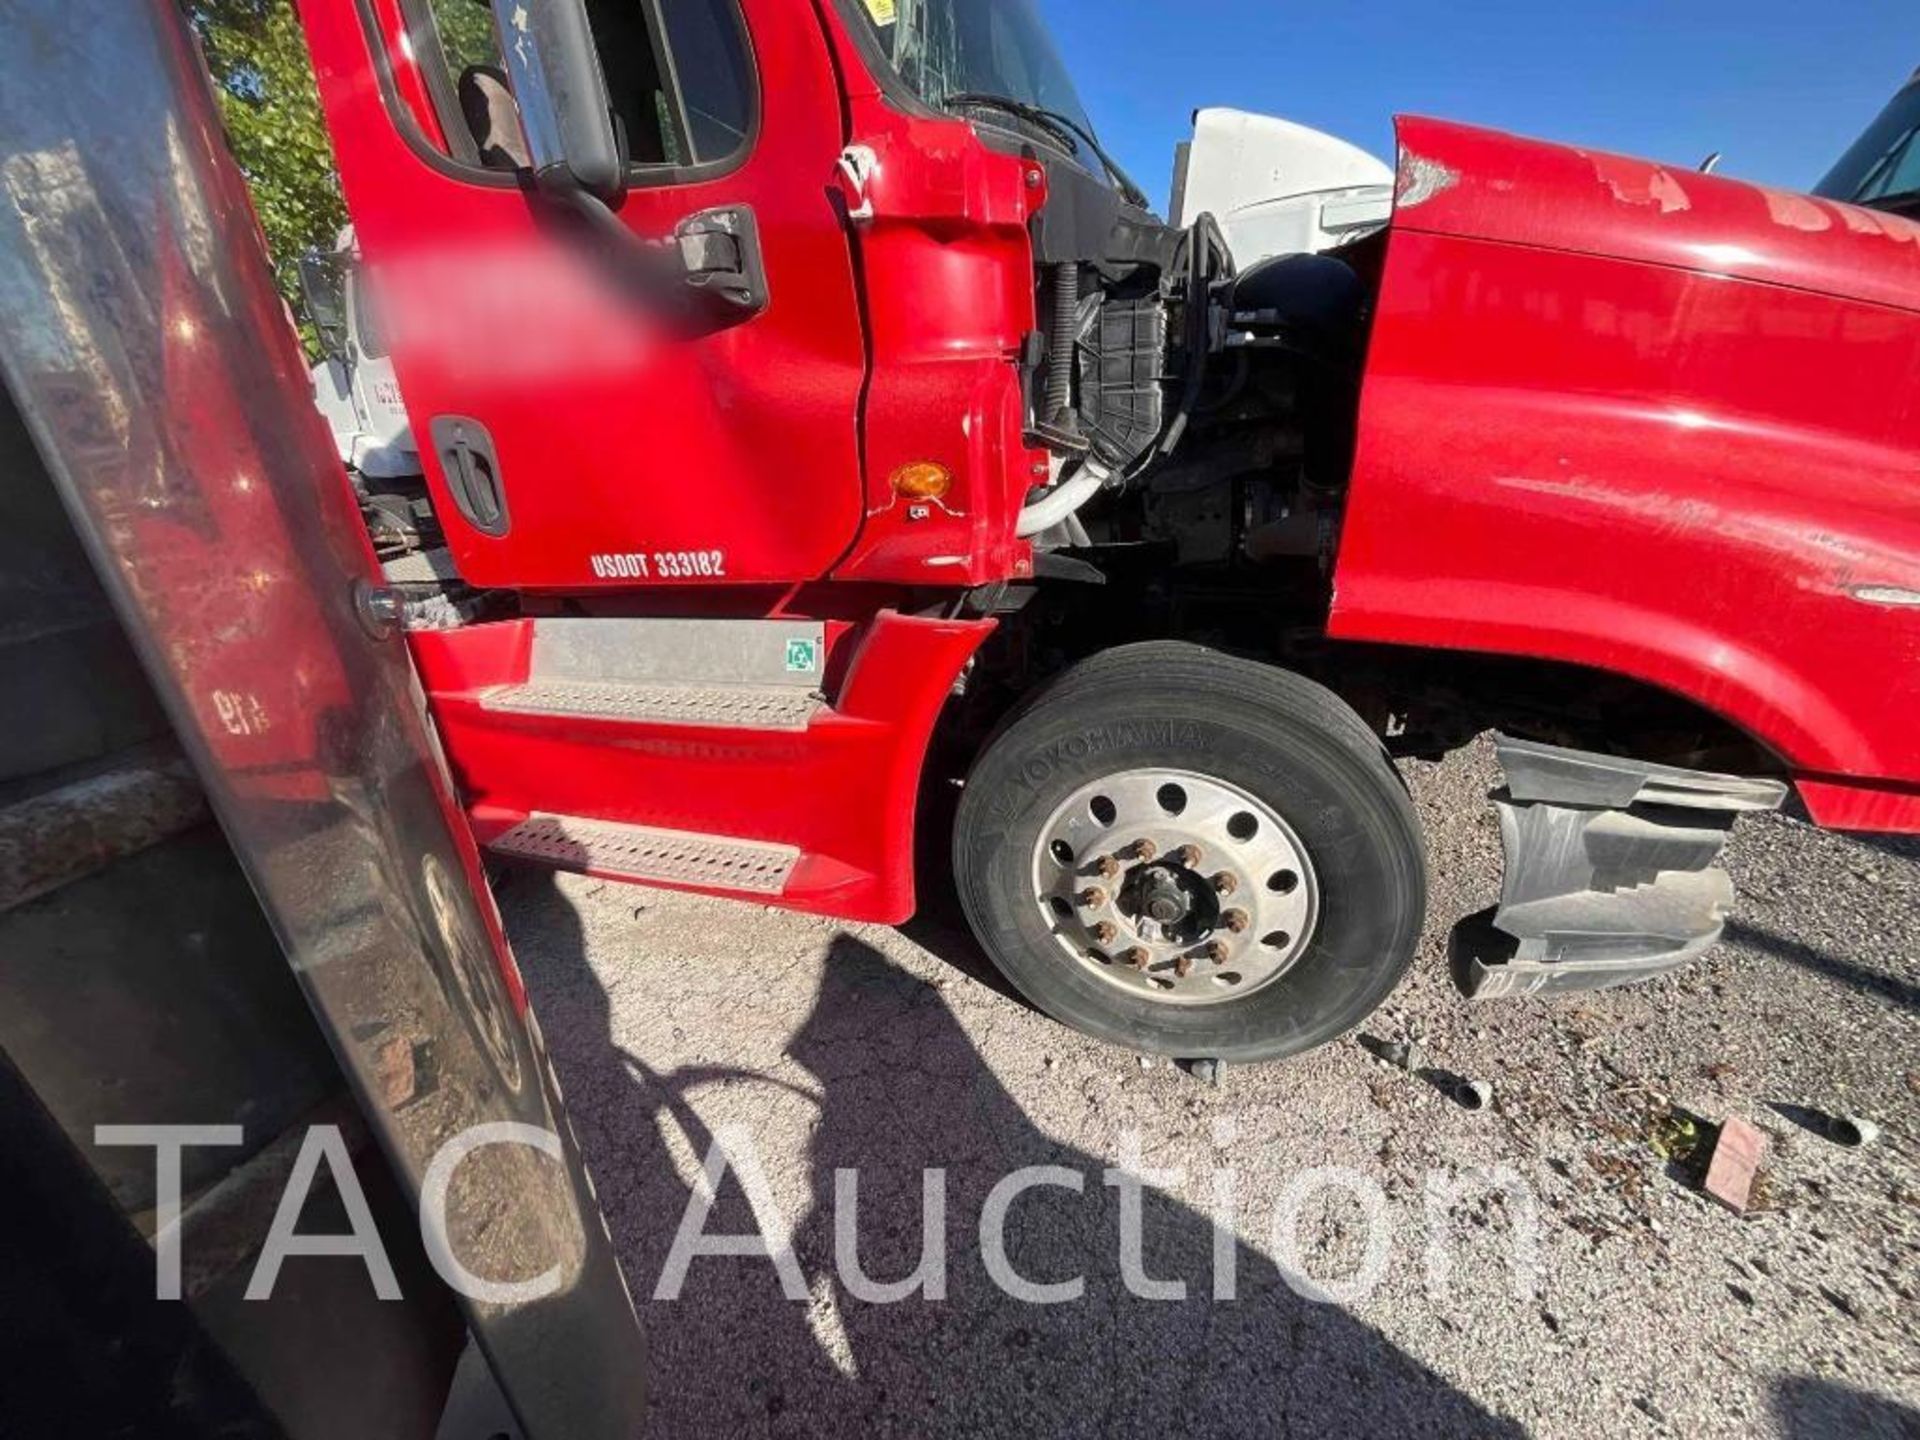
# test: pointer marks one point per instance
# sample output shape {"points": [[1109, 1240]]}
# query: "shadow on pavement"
{"points": [[1820, 962], [1806, 1408], [1901, 847], [900, 1089]]}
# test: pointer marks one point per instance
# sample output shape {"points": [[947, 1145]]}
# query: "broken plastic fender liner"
{"points": [[1610, 871]]}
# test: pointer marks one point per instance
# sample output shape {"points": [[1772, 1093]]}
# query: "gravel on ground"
{"points": [[1398, 1264]]}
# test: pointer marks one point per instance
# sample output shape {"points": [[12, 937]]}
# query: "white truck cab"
{"points": [[355, 386], [1278, 188]]}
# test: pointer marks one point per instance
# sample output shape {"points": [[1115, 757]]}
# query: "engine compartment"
{"points": [[1199, 406]]}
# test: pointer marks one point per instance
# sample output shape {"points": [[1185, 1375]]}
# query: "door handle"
{"points": [[721, 263], [473, 474]]}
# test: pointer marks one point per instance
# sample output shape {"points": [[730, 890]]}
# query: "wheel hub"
{"points": [[1167, 901], [1175, 886], [1161, 896]]}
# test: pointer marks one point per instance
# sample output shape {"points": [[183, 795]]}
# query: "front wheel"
{"points": [[1192, 855]]}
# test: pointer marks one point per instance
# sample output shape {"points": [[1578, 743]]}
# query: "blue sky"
{"points": [[1781, 86]]}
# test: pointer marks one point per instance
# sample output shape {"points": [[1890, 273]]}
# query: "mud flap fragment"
{"points": [[1610, 871]]}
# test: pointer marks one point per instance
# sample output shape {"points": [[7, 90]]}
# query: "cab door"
{"points": [[577, 434]]}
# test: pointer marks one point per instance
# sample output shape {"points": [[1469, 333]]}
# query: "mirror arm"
{"points": [[591, 208], [708, 273]]}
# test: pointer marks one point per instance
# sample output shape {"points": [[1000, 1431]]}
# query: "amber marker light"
{"points": [[922, 480]]}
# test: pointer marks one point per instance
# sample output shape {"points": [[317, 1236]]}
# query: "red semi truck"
{"points": [[812, 410]]}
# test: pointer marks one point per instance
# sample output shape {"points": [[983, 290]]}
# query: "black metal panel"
{"points": [[89, 1350], [70, 687]]}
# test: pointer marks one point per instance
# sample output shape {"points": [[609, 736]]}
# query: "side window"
{"points": [[1897, 174], [715, 74], [366, 322], [466, 34], [457, 53], [678, 76]]}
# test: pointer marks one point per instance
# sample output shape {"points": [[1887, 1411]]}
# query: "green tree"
{"points": [[466, 33], [257, 55]]}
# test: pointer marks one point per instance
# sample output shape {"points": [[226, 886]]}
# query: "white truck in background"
{"points": [[359, 395], [1276, 187]]}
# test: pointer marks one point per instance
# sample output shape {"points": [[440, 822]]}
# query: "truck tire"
{"points": [[1193, 855]]}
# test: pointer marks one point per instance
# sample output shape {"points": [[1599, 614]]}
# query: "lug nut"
{"points": [[1218, 952], [1139, 957], [1108, 867], [1187, 855], [1236, 921], [1093, 897], [1183, 967], [1105, 932], [1225, 883], [1141, 850]]}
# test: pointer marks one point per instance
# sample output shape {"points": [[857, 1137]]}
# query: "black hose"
{"points": [[1205, 243], [1062, 335]]}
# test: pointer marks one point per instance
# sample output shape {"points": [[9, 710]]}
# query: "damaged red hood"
{"points": [[1462, 180]]}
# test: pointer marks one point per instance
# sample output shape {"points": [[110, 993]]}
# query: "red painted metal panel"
{"points": [[1460, 180], [1576, 447], [615, 433], [279, 730], [947, 266], [1840, 805], [844, 791]]}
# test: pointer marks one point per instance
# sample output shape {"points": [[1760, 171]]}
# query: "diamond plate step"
{"points": [[694, 653], [638, 852], [734, 707]]}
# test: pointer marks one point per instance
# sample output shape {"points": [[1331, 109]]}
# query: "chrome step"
{"points": [[640, 853], [737, 707]]}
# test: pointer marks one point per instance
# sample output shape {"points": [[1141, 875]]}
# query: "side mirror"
{"points": [[562, 96], [322, 290]]}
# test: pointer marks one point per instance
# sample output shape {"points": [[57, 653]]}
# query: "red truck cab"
{"points": [[802, 389]]}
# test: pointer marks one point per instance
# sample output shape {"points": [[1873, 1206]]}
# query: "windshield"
{"points": [[1883, 167], [994, 47]]}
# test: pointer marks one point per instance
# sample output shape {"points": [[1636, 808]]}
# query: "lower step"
{"points": [[640, 853], [739, 707]]}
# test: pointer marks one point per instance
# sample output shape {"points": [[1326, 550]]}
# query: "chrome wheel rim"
{"points": [[1175, 887]]}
